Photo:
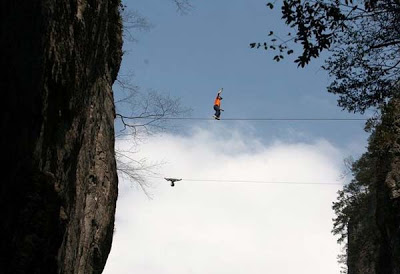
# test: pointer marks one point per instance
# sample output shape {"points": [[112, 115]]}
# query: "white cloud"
{"points": [[222, 227]]}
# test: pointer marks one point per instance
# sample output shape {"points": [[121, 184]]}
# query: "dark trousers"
{"points": [[217, 111]]}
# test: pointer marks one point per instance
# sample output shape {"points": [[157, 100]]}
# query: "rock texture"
{"points": [[59, 185]]}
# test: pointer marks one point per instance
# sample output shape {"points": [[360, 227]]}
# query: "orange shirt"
{"points": [[217, 101]]}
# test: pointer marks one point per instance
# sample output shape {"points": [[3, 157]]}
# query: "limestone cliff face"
{"points": [[58, 192]]}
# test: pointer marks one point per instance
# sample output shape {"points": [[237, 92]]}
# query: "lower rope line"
{"points": [[246, 181]]}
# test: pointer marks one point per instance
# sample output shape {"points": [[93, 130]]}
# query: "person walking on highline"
{"points": [[217, 105]]}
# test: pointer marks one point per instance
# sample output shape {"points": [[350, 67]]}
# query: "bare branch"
{"points": [[183, 6], [133, 21], [141, 114]]}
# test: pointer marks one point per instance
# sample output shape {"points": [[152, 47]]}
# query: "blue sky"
{"points": [[191, 56], [224, 228]]}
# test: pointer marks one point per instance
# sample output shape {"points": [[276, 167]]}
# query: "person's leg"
{"points": [[217, 111]]}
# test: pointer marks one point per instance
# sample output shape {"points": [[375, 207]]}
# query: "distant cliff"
{"points": [[369, 207], [59, 185]]}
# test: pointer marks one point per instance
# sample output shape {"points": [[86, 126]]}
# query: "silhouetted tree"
{"points": [[363, 38]]}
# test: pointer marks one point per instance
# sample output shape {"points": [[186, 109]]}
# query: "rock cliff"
{"points": [[59, 186], [386, 148], [373, 208]]}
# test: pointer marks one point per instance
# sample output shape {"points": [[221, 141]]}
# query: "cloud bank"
{"points": [[229, 227]]}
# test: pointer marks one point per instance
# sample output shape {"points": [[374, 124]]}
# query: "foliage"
{"points": [[354, 195], [363, 38], [356, 208], [366, 64], [354, 211]]}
